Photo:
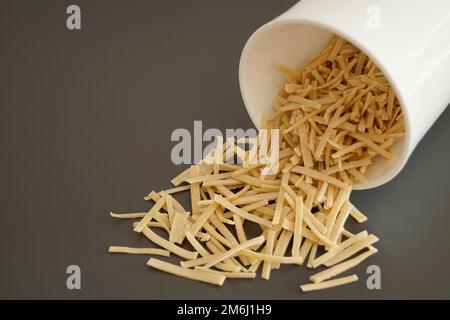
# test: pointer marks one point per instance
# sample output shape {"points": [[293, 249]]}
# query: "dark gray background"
{"points": [[85, 124]]}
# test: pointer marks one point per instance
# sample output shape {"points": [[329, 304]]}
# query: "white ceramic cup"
{"points": [[409, 40]]}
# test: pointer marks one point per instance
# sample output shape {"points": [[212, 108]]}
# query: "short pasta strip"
{"points": [[197, 275], [151, 251], [329, 284]]}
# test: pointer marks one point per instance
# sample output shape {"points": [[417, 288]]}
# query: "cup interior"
{"points": [[291, 44]]}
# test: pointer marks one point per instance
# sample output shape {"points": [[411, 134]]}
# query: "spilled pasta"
{"points": [[336, 116]]}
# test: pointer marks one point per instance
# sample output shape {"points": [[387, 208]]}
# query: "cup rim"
{"points": [[280, 21]]}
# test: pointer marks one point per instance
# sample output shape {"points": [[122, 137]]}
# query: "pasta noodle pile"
{"points": [[336, 115]]}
